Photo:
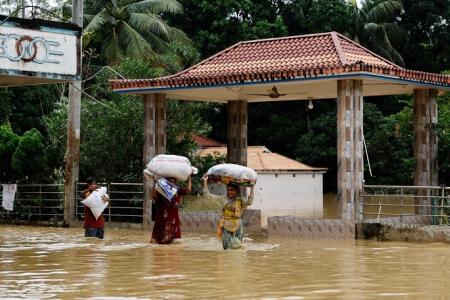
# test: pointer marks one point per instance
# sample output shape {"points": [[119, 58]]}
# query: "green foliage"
{"points": [[25, 106], [111, 139], [216, 24], [428, 25], [134, 30], [306, 16], [375, 26], [8, 144], [5, 105], [390, 146], [277, 125], [444, 138], [389, 142], [317, 147], [29, 161]]}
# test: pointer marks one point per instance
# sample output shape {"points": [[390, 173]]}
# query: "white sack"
{"points": [[95, 202], [175, 166], [8, 196], [225, 173]]}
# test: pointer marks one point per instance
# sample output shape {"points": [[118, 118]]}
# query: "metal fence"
{"points": [[37, 202], [45, 202], [401, 204]]}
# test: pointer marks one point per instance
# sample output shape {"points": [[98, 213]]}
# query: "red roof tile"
{"points": [[202, 141], [293, 57]]}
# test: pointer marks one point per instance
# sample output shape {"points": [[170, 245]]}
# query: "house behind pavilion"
{"points": [[284, 187]]}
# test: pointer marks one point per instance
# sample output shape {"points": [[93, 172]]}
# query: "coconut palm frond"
{"points": [[156, 6], [149, 22], [112, 50], [135, 44], [97, 22], [179, 36], [87, 18], [157, 44], [372, 28], [394, 30], [384, 10], [98, 5], [393, 53]]}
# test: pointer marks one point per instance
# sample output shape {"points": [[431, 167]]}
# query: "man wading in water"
{"points": [[93, 227]]}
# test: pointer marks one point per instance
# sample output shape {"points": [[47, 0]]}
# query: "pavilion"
{"points": [[307, 67]]}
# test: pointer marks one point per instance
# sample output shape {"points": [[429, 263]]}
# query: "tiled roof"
{"points": [[284, 58], [203, 141], [259, 158]]}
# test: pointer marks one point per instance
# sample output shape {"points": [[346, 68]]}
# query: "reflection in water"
{"points": [[59, 263]]}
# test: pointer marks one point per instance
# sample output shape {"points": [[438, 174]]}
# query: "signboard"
{"points": [[47, 52]]}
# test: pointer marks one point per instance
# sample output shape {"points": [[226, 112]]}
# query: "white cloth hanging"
{"points": [[8, 196]]}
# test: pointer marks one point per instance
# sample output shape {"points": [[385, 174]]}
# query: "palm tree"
{"points": [[136, 30], [374, 26]]}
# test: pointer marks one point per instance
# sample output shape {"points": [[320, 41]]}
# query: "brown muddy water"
{"points": [[57, 263]]}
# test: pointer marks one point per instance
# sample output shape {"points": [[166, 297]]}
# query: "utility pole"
{"points": [[23, 9], [72, 156]]}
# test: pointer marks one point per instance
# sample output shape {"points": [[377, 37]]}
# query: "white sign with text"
{"points": [[28, 50]]}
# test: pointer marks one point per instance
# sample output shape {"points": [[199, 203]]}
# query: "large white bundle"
{"points": [[226, 173], [175, 166], [95, 202]]}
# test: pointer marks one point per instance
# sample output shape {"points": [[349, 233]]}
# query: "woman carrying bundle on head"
{"points": [[165, 213], [230, 229], [166, 171]]}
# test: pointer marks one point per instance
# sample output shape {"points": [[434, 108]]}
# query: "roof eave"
{"points": [[356, 75]]}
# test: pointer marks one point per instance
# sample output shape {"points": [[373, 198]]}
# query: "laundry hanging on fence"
{"points": [[8, 196]]}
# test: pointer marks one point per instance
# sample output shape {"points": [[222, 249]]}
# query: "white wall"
{"points": [[286, 194]]}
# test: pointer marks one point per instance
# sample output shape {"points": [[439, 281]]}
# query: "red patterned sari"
{"points": [[167, 220]]}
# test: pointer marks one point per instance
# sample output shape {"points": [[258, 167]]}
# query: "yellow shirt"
{"points": [[232, 212]]}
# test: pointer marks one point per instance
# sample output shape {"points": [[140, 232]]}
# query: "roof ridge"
{"points": [[286, 37], [338, 47], [245, 42], [261, 160], [339, 35], [203, 61]]}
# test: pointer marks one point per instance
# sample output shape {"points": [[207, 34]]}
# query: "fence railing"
{"points": [[126, 202], [45, 202], [401, 204], [37, 202]]}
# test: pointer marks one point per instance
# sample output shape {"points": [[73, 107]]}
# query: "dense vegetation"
{"points": [[143, 39]]}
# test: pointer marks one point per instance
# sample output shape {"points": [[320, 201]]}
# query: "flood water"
{"points": [[57, 263]]}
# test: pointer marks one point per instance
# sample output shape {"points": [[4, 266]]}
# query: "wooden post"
{"points": [[160, 124], [237, 132], [154, 143], [425, 144], [72, 155], [350, 161]]}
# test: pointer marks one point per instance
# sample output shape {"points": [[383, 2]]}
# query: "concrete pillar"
{"points": [[237, 132], [154, 143], [425, 119], [350, 160]]}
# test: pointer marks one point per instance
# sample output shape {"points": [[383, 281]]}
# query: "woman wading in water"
{"points": [[230, 229], [165, 214]]}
